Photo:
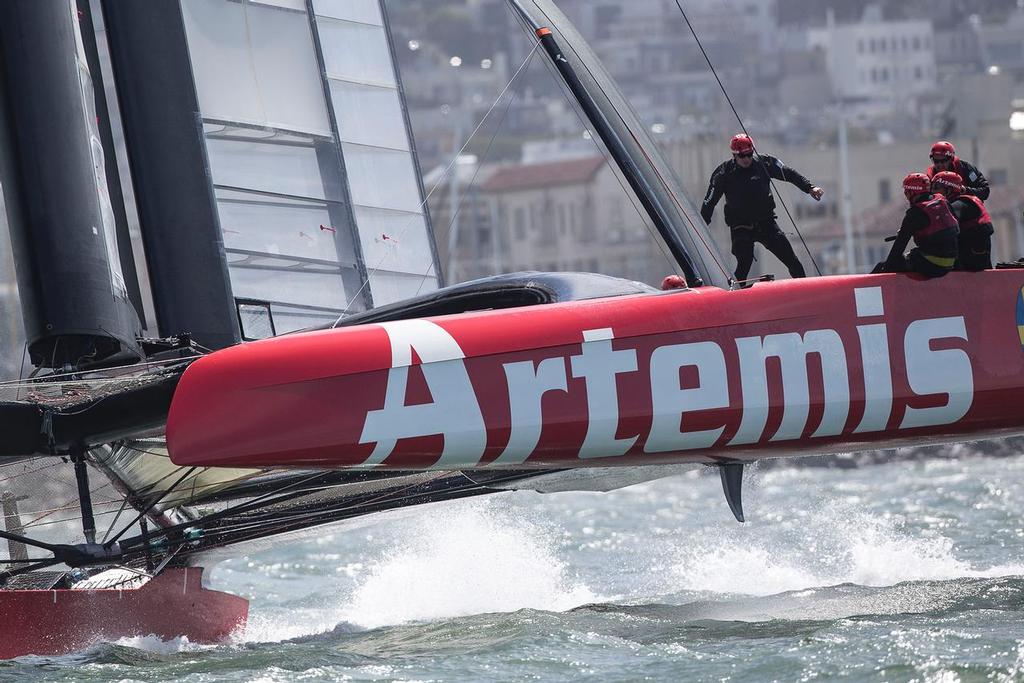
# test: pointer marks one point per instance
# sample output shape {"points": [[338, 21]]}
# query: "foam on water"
{"points": [[472, 560], [832, 546]]}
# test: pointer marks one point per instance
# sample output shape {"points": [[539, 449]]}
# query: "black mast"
{"points": [[641, 178], [164, 134], [73, 293]]}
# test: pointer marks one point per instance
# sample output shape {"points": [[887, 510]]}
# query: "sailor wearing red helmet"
{"points": [[933, 227], [745, 180], [975, 224], [944, 158]]}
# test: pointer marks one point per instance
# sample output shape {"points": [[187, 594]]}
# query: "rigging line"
{"points": [[48, 512], [110, 527], [251, 508], [221, 536], [476, 172], [664, 182], [77, 378], [4, 575], [744, 127], [21, 371], [17, 538], [69, 520], [645, 220], [448, 169], [241, 507], [392, 496], [327, 515], [38, 521], [149, 507]]}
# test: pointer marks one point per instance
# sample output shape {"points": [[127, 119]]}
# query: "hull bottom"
{"points": [[172, 605]]}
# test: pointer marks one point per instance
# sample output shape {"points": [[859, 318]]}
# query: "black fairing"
{"points": [[512, 290]]}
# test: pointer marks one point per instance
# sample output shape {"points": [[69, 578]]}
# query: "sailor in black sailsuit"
{"points": [[944, 158], [745, 180]]}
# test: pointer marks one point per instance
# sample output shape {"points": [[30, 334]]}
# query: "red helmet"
{"points": [[673, 282], [942, 150], [741, 144], [915, 184], [948, 183]]}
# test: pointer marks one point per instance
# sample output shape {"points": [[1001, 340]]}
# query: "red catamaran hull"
{"points": [[174, 604], [810, 366]]}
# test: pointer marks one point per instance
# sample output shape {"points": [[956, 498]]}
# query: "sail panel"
{"points": [[388, 199], [311, 156]]}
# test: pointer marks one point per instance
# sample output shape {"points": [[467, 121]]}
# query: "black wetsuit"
{"points": [[933, 227], [750, 209], [975, 182]]}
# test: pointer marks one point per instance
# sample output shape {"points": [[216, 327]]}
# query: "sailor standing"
{"points": [[745, 180], [944, 158]]}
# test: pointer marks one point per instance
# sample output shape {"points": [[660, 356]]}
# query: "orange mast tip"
{"points": [[543, 31]]}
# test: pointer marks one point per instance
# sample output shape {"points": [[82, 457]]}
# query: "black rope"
{"points": [[149, 507], [6, 574], [744, 127]]}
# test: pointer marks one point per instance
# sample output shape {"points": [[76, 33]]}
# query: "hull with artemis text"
{"points": [[798, 367]]}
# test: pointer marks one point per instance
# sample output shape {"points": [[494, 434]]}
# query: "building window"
{"points": [[917, 43], [860, 46], [884, 191], [997, 176], [519, 224]]}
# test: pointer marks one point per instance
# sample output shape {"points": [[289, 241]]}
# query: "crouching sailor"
{"points": [[975, 252], [933, 227]]}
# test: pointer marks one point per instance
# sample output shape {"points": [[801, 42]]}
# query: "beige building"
{"points": [[570, 215]]}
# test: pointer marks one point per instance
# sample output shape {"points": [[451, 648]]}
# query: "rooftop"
{"points": [[535, 176]]}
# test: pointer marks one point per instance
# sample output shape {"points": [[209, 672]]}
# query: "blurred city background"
{"points": [[532, 191]]}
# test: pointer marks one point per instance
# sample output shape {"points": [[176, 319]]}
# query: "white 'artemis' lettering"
{"points": [[526, 389], [671, 403], [454, 412], [598, 364], [874, 354], [937, 372], [792, 350]]}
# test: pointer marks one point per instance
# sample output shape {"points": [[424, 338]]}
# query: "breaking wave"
{"points": [[470, 561]]}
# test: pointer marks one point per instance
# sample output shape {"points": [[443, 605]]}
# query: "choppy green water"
{"points": [[900, 572]]}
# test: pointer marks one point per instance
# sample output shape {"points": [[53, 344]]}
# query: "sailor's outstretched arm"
{"points": [[715, 190]]}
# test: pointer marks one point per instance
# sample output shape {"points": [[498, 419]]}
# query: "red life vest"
{"points": [[940, 218], [982, 219], [955, 167]]}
